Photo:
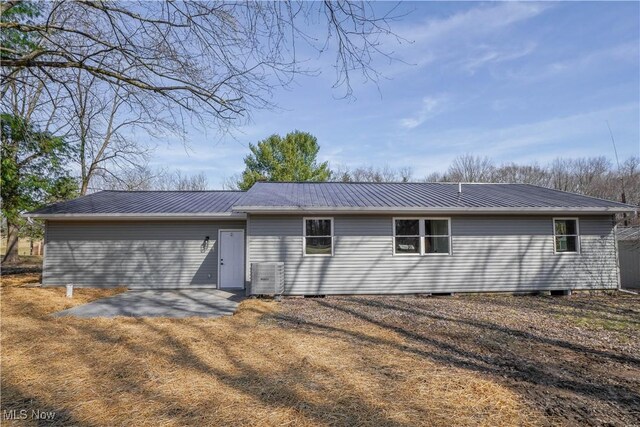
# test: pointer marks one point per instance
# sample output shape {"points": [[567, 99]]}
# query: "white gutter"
{"points": [[139, 216], [439, 210]]}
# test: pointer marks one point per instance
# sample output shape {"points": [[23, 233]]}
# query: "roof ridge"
{"points": [[168, 191], [390, 182]]}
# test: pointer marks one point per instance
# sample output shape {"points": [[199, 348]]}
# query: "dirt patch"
{"points": [[577, 359], [257, 367]]}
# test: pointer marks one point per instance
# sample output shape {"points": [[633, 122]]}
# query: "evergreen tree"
{"points": [[292, 158], [32, 174]]}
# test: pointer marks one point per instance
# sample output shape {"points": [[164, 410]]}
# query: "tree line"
{"points": [[591, 176], [294, 157]]}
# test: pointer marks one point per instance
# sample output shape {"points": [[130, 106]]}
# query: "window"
{"points": [[436, 236], [565, 232], [318, 236], [407, 236], [421, 236]]}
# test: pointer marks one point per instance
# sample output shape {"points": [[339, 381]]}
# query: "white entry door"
{"points": [[231, 259]]}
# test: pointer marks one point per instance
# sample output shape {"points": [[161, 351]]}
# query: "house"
{"points": [[337, 238]]}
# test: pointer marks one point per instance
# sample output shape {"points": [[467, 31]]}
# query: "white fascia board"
{"points": [[435, 210], [138, 216]]}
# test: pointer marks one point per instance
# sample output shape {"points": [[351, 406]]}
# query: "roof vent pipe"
{"points": [[459, 188]]}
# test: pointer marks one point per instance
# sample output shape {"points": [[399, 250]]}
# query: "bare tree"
{"points": [[33, 104], [98, 122], [628, 180], [405, 173], [590, 175], [522, 174], [105, 119], [214, 60], [341, 173], [561, 174], [433, 177], [371, 174], [142, 177], [231, 182], [581, 175], [470, 168], [138, 177], [181, 182]]}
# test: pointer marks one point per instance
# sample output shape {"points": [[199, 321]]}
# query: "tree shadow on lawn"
{"points": [[24, 409], [112, 360], [198, 371], [568, 380], [484, 326], [273, 388], [585, 305]]}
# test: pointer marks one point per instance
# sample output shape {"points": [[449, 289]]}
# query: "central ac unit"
{"points": [[267, 278]]}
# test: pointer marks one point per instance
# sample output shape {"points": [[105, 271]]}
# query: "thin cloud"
{"points": [[490, 55], [431, 107], [561, 136], [625, 52], [434, 39], [476, 21]]}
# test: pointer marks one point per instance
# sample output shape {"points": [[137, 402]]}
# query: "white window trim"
{"points": [[304, 236], [422, 236], [577, 235], [438, 235], [419, 236]]}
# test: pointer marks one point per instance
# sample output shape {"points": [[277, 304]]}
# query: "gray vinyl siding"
{"points": [[629, 254], [499, 253], [137, 254]]}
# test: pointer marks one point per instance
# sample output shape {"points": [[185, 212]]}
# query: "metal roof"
{"points": [[285, 197], [271, 196], [144, 204]]}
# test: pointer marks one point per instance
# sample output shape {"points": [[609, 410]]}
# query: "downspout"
{"points": [[247, 254], [44, 250]]}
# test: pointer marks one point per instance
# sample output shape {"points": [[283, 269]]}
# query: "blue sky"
{"points": [[519, 82]]}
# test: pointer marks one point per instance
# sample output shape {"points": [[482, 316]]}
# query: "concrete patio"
{"points": [[162, 303]]}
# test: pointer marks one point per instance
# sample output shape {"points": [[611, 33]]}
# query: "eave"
{"points": [[137, 216], [434, 210]]}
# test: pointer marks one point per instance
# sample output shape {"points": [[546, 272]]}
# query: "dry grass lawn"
{"points": [[575, 360], [247, 369]]}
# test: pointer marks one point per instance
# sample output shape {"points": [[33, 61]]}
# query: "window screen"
{"points": [[318, 236], [566, 235]]}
